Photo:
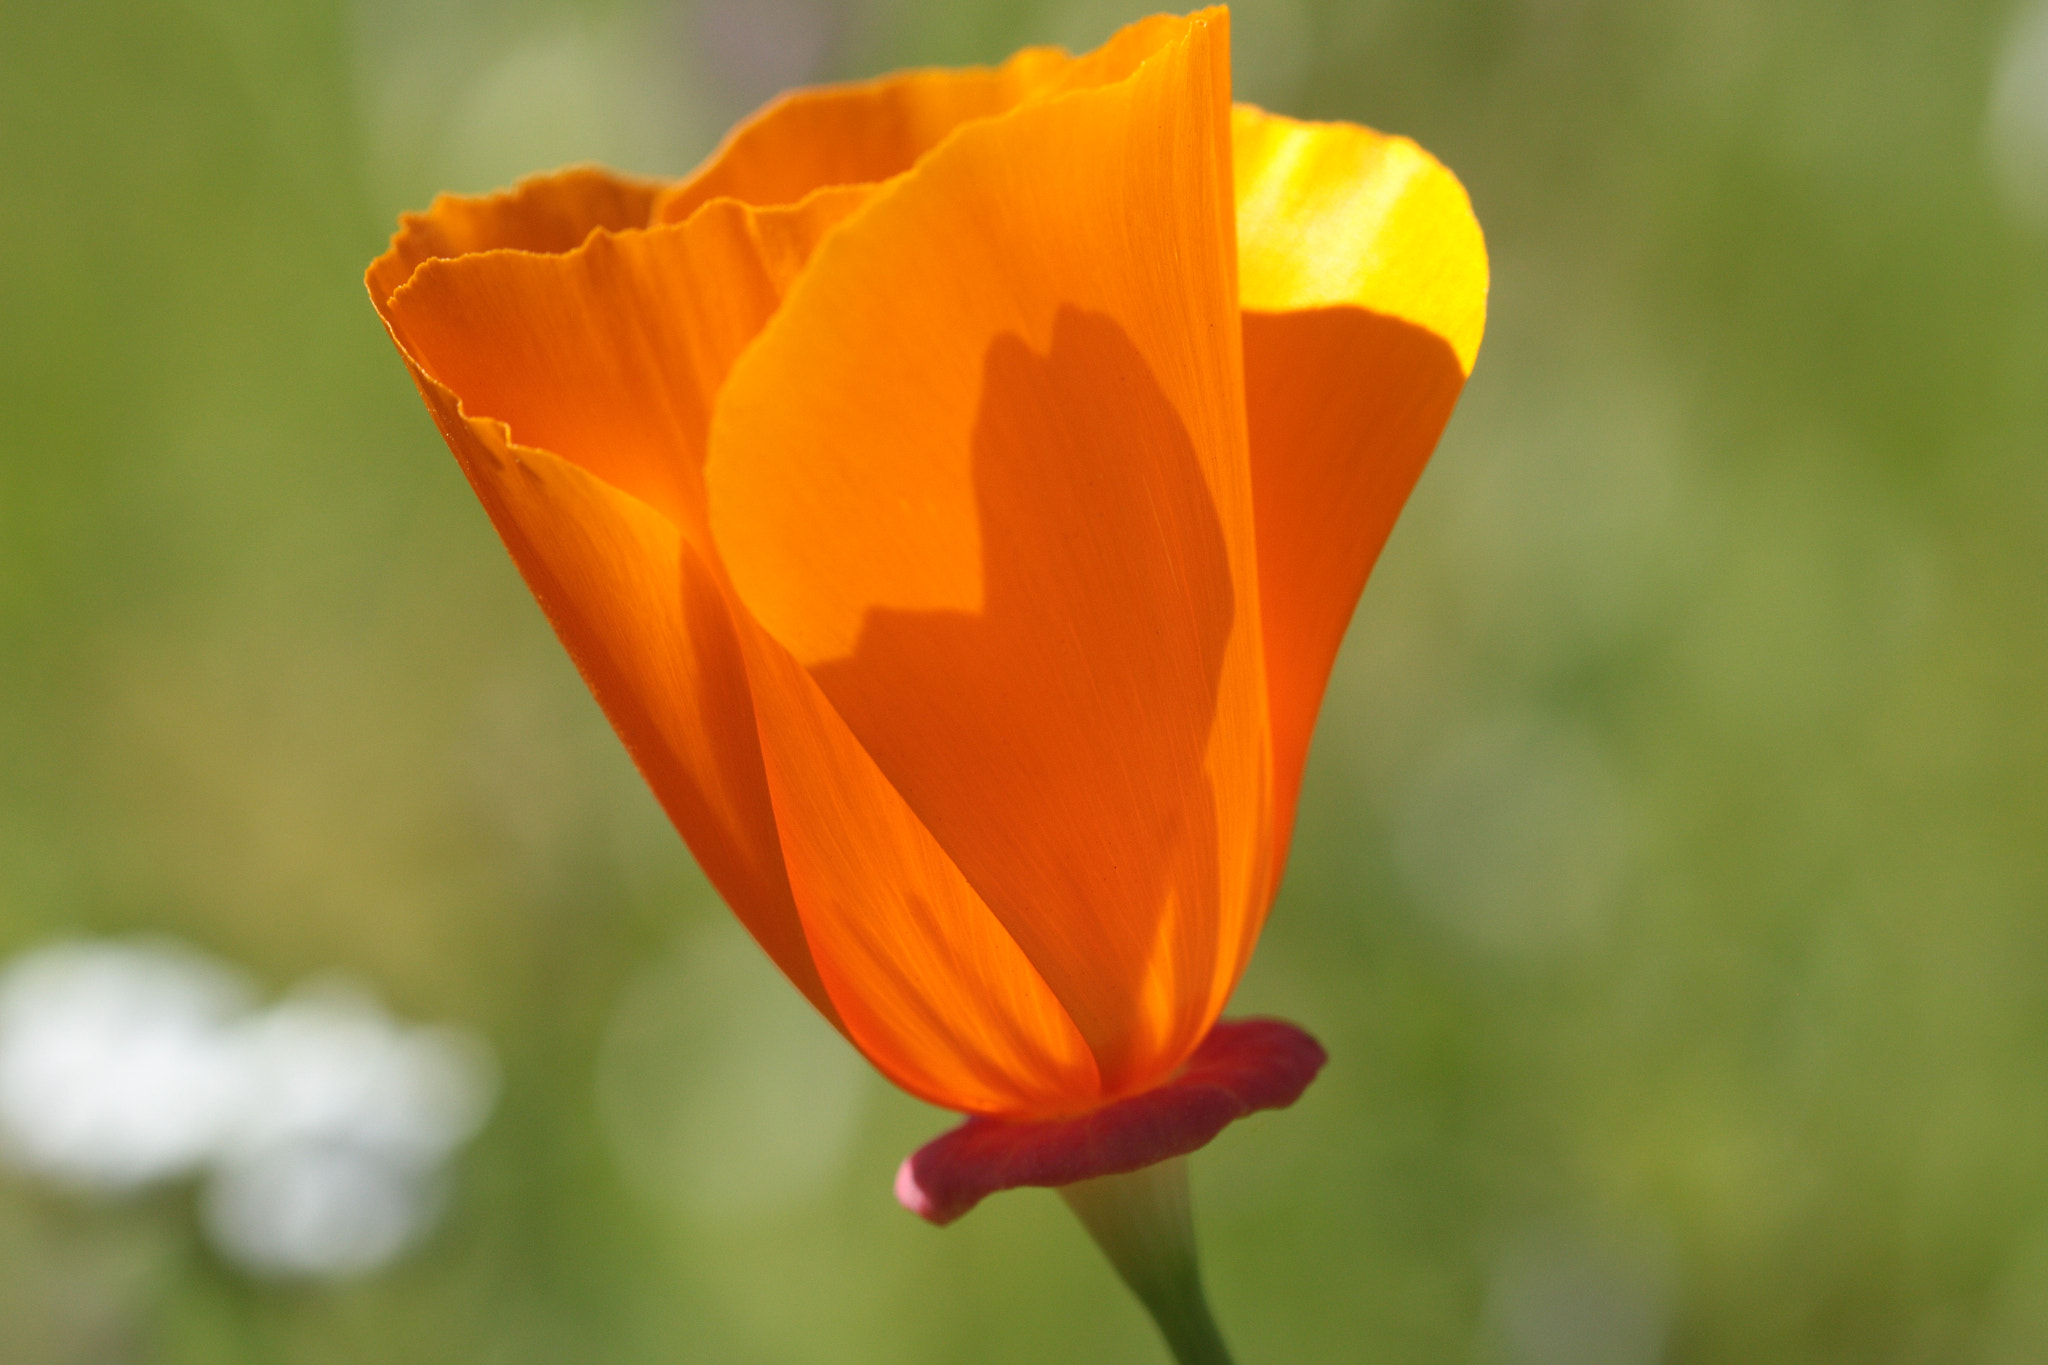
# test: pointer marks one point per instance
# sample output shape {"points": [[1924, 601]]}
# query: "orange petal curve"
{"points": [[545, 214], [611, 354], [858, 133], [881, 511], [1363, 276], [929, 985], [868, 131], [647, 623], [610, 351]]}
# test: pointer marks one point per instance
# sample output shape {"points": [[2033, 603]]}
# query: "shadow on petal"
{"points": [[1055, 742]]}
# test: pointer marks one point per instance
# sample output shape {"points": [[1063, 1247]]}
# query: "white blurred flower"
{"points": [[321, 1124], [115, 1068], [329, 1166], [328, 1065], [317, 1209]]}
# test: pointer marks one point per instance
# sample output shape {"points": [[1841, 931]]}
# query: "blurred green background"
{"points": [[1671, 884]]}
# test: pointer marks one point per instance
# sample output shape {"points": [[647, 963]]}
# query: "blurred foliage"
{"points": [[1671, 881]]}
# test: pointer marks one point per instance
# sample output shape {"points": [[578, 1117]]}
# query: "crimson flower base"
{"points": [[1243, 1066]]}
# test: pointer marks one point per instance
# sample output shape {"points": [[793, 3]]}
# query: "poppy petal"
{"points": [[868, 131], [610, 355], [646, 621], [1331, 214], [546, 214], [852, 134], [928, 983], [1363, 276], [984, 475], [610, 538]]}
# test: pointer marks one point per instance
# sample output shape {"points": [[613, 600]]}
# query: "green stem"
{"points": [[1141, 1222]]}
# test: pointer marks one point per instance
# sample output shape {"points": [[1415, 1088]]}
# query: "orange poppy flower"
{"points": [[954, 493]]}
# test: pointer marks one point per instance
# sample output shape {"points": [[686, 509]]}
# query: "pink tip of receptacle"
{"points": [[909, 1193]]}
